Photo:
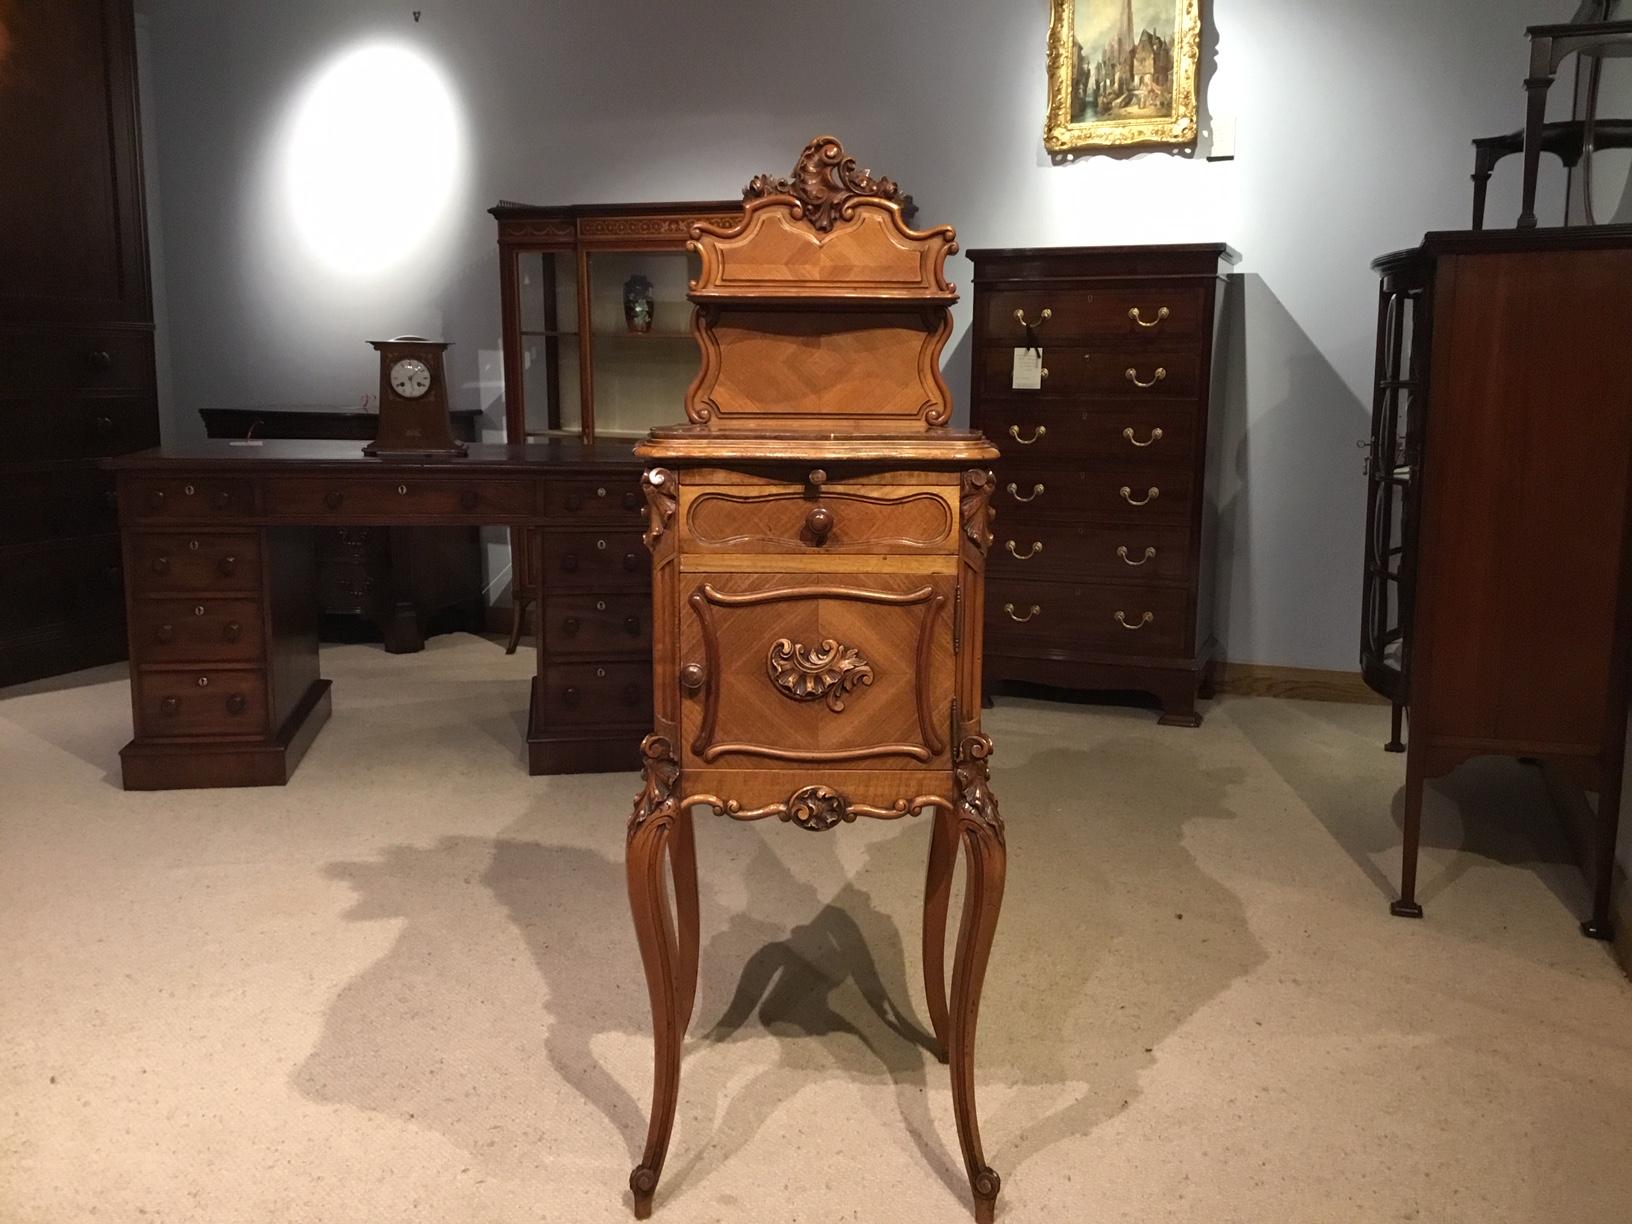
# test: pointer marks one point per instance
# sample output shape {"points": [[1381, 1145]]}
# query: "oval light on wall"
{"points": [[373, 160]]}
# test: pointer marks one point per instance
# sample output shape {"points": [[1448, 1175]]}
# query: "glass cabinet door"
{"points": [[643, 353], [547, 283]]}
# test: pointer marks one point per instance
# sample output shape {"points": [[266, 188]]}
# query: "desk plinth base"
{"points": [[606, 750], [162, 766]]}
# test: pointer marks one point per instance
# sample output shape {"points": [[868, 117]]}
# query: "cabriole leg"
{"points": [[943, 854]]}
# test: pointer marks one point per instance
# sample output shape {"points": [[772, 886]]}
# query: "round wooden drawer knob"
{"points": [[631, 562], [233, 631], [692, 677], [574, 501], [228, 566], [236, 703], [155, 499], [631, 501], [333, 498], [819, 522], [631, 626], [569, 562], [101, 359], [170, 705], [570, 626], [165, 633], [223, 500], [571, 697], [631, 694], [161, 565]]}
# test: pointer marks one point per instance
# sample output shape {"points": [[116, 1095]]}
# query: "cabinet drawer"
{"points": [[208, 630], [1127, 618], [1074, 371], [158, 499], [87, 361], [597, 625], [1125, 493], [47, 428], [839, 519], [614, 498], [48, 504], [177, 561], [1157, 434], [595, 559], [596, 694], [1057, 550], [401, 500], [200, 701], [1135, 315]]}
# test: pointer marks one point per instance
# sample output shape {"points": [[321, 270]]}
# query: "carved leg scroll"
{"points": [[943, 854], [653, 832], [980, 828]]}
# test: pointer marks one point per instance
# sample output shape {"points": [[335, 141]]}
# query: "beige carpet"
{"points": [[404, 988]]}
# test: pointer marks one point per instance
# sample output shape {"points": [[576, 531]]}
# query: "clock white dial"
{"points": [[410, 378]]}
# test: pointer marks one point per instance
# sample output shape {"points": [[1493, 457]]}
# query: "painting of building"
{"points": [[1122, 60]]}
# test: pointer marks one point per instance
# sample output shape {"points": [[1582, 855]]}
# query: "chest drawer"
{"points": [[179, 561], [159, 499], [1126, 618], [1074, 371], [399, 500], [220, 630], [1153, 434], [614, 498], [597, 624], [1042, 549], [47, 504], [611, 558], [596, 693], [200, 701], [1124, 493], [55, 427], [839, 518], [1133, 315], [89, 361]]}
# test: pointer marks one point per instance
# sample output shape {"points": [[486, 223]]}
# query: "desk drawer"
{"points": [[1126, 618], [614, 498], [157, 499], [616, 558], [200, 701], [596, 694], [349, 499], [597, 625], [853, 518], [178, 561], [181, 630]]}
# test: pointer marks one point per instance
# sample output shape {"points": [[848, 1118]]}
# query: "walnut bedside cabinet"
{"points": [[818, 540]]}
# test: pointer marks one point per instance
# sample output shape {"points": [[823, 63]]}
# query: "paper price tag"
{"points": [[1028, 369]]}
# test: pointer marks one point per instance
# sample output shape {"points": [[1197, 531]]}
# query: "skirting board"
{"points": [[1300, 683]]}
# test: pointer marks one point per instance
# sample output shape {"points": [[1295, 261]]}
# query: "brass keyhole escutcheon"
{"points": [[402, 490]]}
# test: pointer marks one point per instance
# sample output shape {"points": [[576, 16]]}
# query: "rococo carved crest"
{"points": [[828, 671], [825, 181]]}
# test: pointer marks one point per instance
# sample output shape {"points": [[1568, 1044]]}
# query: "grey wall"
{"points": [[1353, 128]]}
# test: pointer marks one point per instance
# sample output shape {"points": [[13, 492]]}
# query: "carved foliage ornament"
{"points": [[662, 491], [659, 771], [829, 671], [976, 508], [975, 801], [824, 182]]}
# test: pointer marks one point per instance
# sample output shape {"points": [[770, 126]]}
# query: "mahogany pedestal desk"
{"points": [[818, 544], [222, 606]]}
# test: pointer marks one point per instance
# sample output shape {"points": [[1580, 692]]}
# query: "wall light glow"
{"points": [[374, 157]]}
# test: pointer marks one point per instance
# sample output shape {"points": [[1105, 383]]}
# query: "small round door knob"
{"points": [[169, 705], [161, 565], [570, 626], [631, 561], [692, 677], [233, 631], [101, 360], [228, 566], [333, 498], [631, 501], [631, 626], [223, 499], [819, 522], [165, 633], [574, 501], [236, 703]]}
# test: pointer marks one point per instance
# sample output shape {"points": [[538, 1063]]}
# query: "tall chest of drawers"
{"points": [[1101, 574]]}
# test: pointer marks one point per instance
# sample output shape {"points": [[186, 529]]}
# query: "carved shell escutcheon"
{"points": [[817, 808], [829, 671]]}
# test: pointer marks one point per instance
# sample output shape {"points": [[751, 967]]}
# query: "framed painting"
{"points": [[1122, 73]]}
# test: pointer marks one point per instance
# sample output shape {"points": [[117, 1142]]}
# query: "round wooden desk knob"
{"points": [[101, 360], [110, 499], [161, 565], [819, 522], [631, 626], [111, 575], [570, 697], [570, 626], [235, 704], [692, 676], [631, 501], [233, 631], [169, 705], [223, 499], [631, 561], [333, 498], [574, 501], [569, 562], [165, 633], [228, 566], [631, 694], [468, 499], [155, 499], [104, 425]]}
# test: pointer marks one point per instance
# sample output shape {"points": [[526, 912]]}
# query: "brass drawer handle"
{"points": [[1161, 315], [1009, 609], [1122, 619], [1156, 435], [1151, 494], [1020, 317], [1036, 547], [1014, 432], [1133, 376], [1122, 551], [1036, 491]]}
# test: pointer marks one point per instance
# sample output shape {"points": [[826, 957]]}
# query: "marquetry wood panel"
{"points": [[833, 519]]}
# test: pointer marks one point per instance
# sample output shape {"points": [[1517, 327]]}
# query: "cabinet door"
{"points": [[812, 668]]}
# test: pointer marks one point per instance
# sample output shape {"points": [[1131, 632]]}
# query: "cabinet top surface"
{"points": [[512, 210], [1556, 238], [1218, 250], [562, 454]]}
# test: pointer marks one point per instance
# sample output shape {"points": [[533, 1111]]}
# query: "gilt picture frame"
{"points": [[1122, 74]]}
